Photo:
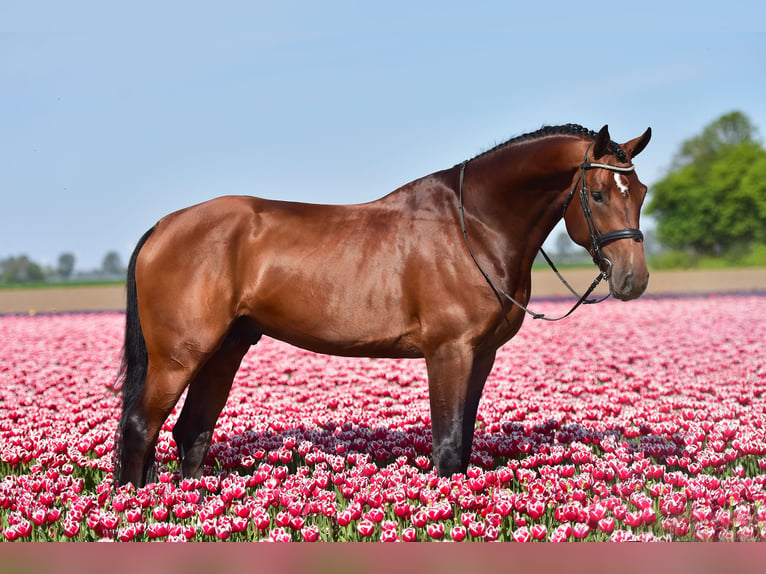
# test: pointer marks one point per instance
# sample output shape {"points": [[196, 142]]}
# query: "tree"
{"points": [[66, 265], [729, 130], [112, 264], [714, 200], [19, 270]]}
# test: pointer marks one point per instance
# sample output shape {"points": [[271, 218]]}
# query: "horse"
{"points": [[439, 269]]}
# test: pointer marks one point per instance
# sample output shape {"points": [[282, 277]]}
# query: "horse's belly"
{"points": [[326, 318]]}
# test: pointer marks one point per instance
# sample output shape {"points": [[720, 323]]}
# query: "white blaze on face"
{"points": [[620, 181]]}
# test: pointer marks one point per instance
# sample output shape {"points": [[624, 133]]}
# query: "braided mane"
{"points": [[565, 130]]}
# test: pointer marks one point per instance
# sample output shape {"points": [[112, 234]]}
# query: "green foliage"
{"points": [[20, 269], [714, 202], [112, 264], [738, 256], [729, 130], [66, 265]]}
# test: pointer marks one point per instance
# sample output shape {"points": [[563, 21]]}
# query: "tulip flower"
{"points": [[409, 534], [522, 534], [659, 439], [458, 533], [365, 527]]}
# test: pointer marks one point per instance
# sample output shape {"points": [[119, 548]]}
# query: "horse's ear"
{"points": [[636, 146], [601, 145]]}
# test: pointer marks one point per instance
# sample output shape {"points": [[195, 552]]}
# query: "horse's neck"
{"points": [[518, 193]]}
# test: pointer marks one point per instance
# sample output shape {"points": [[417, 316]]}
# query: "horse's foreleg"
{"points": [[455, 380], [207, 396]]}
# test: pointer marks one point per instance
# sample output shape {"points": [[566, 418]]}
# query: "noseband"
{"points": [[598, 239]]}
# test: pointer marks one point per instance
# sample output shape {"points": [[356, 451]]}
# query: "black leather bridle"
{"points": [[598, 239]]}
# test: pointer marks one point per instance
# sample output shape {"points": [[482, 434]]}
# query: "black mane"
{"points": [[563, 130]]}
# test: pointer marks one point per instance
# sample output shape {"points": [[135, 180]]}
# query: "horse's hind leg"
{"points": [[207, 396], [143, 421]]}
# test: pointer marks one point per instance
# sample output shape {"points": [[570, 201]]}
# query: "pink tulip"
{"points": [[279, 534], [477, 529], [239, 524], [607, 524], [157, 530], [580, 530], [409, 534], [310, 533], [419, 518], [522, 534], [435, 530], [39, 516], [365, 527], [561, 533], [389, 535], [704, 532], [458, 533], [223, 530], [539, 531], [110, 520], [376, 515], [535, 509], [127, 533], [208, 527], [71, 528], [160, 513]]}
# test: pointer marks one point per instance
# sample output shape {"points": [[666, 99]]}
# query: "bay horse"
{"points": [[438, 269]]}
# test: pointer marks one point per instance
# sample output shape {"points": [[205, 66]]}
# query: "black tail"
{"points": [[135, 360]]}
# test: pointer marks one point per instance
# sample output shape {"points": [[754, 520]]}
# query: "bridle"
{"points": [[598, 239]]}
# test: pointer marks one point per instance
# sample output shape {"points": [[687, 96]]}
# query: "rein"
{"points": [[598, 240]]}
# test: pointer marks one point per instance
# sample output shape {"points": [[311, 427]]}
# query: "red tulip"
{"points": [[634, 519], [365, 527], [160, 513], [561, 533], [704, 532], [435, 530], [539, 531], [279, 534], [419, 518], [127, 533], [71, 528], [223, 529], [606, 525], [157, 530], [458, 533], [477, 529], [535, 509], [409, 534], [522, 534], [389, 535], [580, 530], [133, 515]]}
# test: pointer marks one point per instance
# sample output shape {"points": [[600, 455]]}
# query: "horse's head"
{"points": [[609, 195]]}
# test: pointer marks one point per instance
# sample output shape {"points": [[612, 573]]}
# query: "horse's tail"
{"points": [[135, 360]]}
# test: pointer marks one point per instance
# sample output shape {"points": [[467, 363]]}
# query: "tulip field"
{"points": [[637, 421]]}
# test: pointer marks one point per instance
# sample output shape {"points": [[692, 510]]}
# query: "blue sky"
{"points": [[111, 117]]}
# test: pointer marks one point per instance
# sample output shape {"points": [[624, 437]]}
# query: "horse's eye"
{"points": [[597, 197]]}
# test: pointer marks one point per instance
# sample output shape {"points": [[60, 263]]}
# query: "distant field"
{"points": [[544, 284]]}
